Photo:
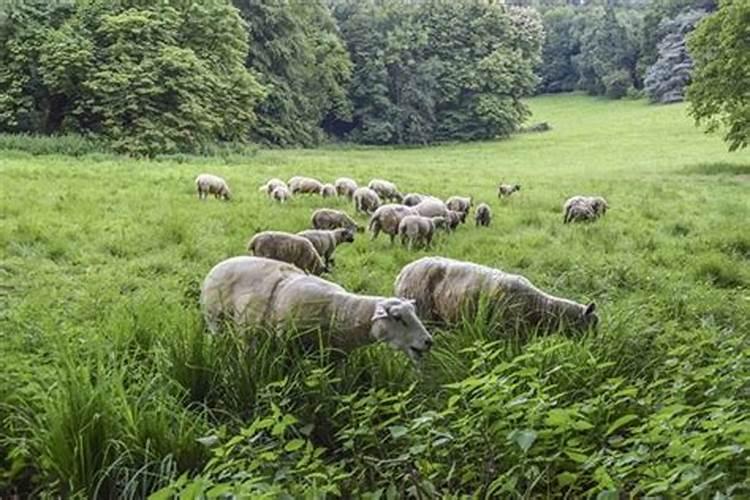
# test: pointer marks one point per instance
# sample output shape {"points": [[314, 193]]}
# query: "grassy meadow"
{"points": [[110, 387]]}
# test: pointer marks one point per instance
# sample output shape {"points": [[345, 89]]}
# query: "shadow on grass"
{"points": [[717, 168]]}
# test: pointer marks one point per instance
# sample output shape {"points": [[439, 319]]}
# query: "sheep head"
{"points": [[395, 322]]}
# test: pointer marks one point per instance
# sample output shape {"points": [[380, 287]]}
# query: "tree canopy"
{"points": [[720, 93]]}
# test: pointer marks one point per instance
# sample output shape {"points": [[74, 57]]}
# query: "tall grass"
{"points": [[112, 387]]}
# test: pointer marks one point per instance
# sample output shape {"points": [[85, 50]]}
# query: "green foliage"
{"points": [[427, 71], [149, 79], [112, 388], [721, 78], [298, 56]]}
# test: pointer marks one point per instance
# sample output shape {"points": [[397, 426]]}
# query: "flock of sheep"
{"points": [[280, 285]]}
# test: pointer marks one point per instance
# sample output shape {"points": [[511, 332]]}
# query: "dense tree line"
{"points": [[178, 75], [610, 48]]}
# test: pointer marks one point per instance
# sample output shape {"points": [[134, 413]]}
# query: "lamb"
{"points": [[271, 185], [507, 189], [289, 248], [459, 204], [325, 241], [264, 293], [417, 229], [483, 215], [212, 184], [345, 187], [305, 185], [413, 199], [281, 194], [447, 290], [588, 208], [387, 218], [454, 219], [326, 218], [366, 200], [328, 191], [386, 190]]}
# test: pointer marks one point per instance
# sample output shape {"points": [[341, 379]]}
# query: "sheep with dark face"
{"points": [[504, 190], [448, 290], [386, 190], [366, 200], [415, 229], [207, 184], [286, 247], [264, 293], [387, 218], [459, 204], [328, 191], [483, 215], [325, 241], [345, 187], [413, 199]]}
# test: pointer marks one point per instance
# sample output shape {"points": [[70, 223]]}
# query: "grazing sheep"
{"points": [[212, 184], [328, 191], [413, 199], [281, 194], [345, 187], [483, 215], [584, 208], [431, 207], [459, 204], [326, 218], [454, 219], [387, 218], [264, 293], [366, 200], [447, 289], [305, 185], [289, 248], [507, 189], [271, 185], [386, 190], [325, 241], [417, 229]]}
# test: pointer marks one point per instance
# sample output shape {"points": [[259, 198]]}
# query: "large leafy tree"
{"points": [[720, 92], [149, 77], [298, 56]]}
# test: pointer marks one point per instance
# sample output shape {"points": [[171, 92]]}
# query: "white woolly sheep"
{"points": [[271, 185], [459, 204], [327, 218], [305, 185], [325, 241], [431, 207], [387, 218], [483, 215], [207, 184], [345, 187], [281, 194], [289, 248], [447, 290], [386, 190], [264, 293], [366, 200], [415, 229], [413, 199], [328, 191], [507, 189]]}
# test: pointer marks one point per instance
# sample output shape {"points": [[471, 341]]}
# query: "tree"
{"points": [[557, 71], [720, 92], [299, 57], [147, 77], [668, 77]]}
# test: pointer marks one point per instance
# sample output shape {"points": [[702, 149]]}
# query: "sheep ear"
{"points": [[380, 312], [590, 309]]}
